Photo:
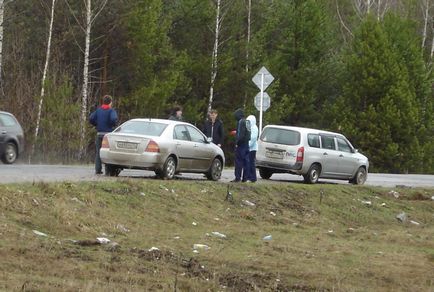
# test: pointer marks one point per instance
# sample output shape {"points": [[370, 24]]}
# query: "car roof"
{"points": [[163, 121], [304, 130]]}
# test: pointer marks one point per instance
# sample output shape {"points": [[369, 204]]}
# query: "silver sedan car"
{"points": [[164, 146]]}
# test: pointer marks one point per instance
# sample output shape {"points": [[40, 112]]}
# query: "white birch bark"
{"points": [[85, 78], [215, 54], [249, 22], [432, 47], [425, 10], [44, 77]]}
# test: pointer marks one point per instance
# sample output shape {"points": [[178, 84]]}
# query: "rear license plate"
{"points": [[127, 145], [274, 154]]}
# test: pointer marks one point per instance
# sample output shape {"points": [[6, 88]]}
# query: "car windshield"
{"points": [[142, 128], [280, 136]]}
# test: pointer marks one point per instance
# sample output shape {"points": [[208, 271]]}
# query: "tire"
{"points": [[169, 168], [10, 155], [265, 173], [215, 171], [312, 175], [112, 170], [360, 176]]}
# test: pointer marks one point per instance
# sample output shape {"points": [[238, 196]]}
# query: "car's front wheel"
{"points": [[360, 177], [169, 168], [215, 171], [10, 154], [112, 170], [312, 175], [265, 173]]}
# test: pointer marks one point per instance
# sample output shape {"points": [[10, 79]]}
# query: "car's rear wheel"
{"points": [[312, 175], [112, 170], [215, 171], [10, 154], [360, 177], [265, 173], [169, 168]]}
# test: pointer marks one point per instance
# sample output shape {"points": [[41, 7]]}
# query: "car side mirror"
{"points": [[208, 140], [355, 151]]}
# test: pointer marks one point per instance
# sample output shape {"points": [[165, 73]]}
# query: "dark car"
{"points": [[11, 138]]}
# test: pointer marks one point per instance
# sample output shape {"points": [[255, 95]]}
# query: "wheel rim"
{"points": [[170, 168], [361, 176], [216, 169], [10, 153], [314, 174]]}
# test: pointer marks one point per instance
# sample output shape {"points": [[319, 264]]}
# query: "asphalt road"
{"points": [[50, 173]]}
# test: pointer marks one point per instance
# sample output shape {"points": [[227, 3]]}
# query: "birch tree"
{"points": [[214, 58], [249, 24], [90, 19], [44, 76]]}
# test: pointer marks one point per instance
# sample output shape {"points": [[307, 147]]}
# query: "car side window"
{"points": [[180, 133], [195, 135], [7, 120], [328, 142], [313, 140], [343, 145]]}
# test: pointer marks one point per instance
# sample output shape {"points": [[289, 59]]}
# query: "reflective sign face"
{"points": [[266, 101], [267, 78]]}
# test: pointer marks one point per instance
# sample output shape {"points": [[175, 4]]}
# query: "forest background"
{"points": [[360, 67]]}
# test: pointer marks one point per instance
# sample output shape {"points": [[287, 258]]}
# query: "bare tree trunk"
{"points": [[85, 79], [432, 47], [249, 22], [425, 21], [215, 54], [44, 76]]}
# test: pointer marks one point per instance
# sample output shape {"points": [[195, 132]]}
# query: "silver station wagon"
{"points": [[11, 138], [164, 146], [311, 153]]}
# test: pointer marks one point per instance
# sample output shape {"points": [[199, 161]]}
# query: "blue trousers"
{"points": [[252, 166], [242, 162]]}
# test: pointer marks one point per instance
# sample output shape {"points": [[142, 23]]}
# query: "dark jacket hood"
{"points": [[239, 114]]}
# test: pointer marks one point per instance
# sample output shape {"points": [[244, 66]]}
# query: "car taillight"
{"points": [[105, 142], [300, 154], [152, 147]]}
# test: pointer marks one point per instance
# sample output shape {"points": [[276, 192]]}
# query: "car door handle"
{"points": [[325, 153], [195, 146], [4, 132], [341, 155]]}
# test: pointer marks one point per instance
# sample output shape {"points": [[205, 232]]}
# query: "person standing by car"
{"points": [[253, 147], [104, 119], [176, 114], [213, 128], [241, 147]]}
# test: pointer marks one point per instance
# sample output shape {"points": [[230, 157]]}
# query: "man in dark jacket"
{"points": [[241, 147], [104, 119], [176, 114], [213, 128]]}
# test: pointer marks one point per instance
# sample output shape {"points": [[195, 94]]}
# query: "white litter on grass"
{"points": [[197, 246], [177, 237], [267, 238], [143, 194], [402, 217], [194, 224], [414, 222], [195, 251], [122, 228], [395, 194], [39, 233], [383, 205], [204, 191], [272, 213], [102, 240], [248, 203], [217, 219], [153, 248], [77, 200], [432, 198], [330, 231], [173, 191], [367, 203], [164, 188], [218, 234]]}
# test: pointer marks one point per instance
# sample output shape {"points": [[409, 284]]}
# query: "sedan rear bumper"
{"points": [[146, 160]]}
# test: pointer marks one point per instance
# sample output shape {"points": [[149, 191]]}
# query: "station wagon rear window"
{"points": [[142, 128], [281, 136]]}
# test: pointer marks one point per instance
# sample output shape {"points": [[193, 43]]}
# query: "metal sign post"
{"points": [[262, 79]]}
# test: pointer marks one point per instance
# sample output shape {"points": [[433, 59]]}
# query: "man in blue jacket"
{"points": [[104, 119], [241, 148]]}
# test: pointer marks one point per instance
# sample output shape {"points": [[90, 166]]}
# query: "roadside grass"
{"points": [[325, 237]]}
